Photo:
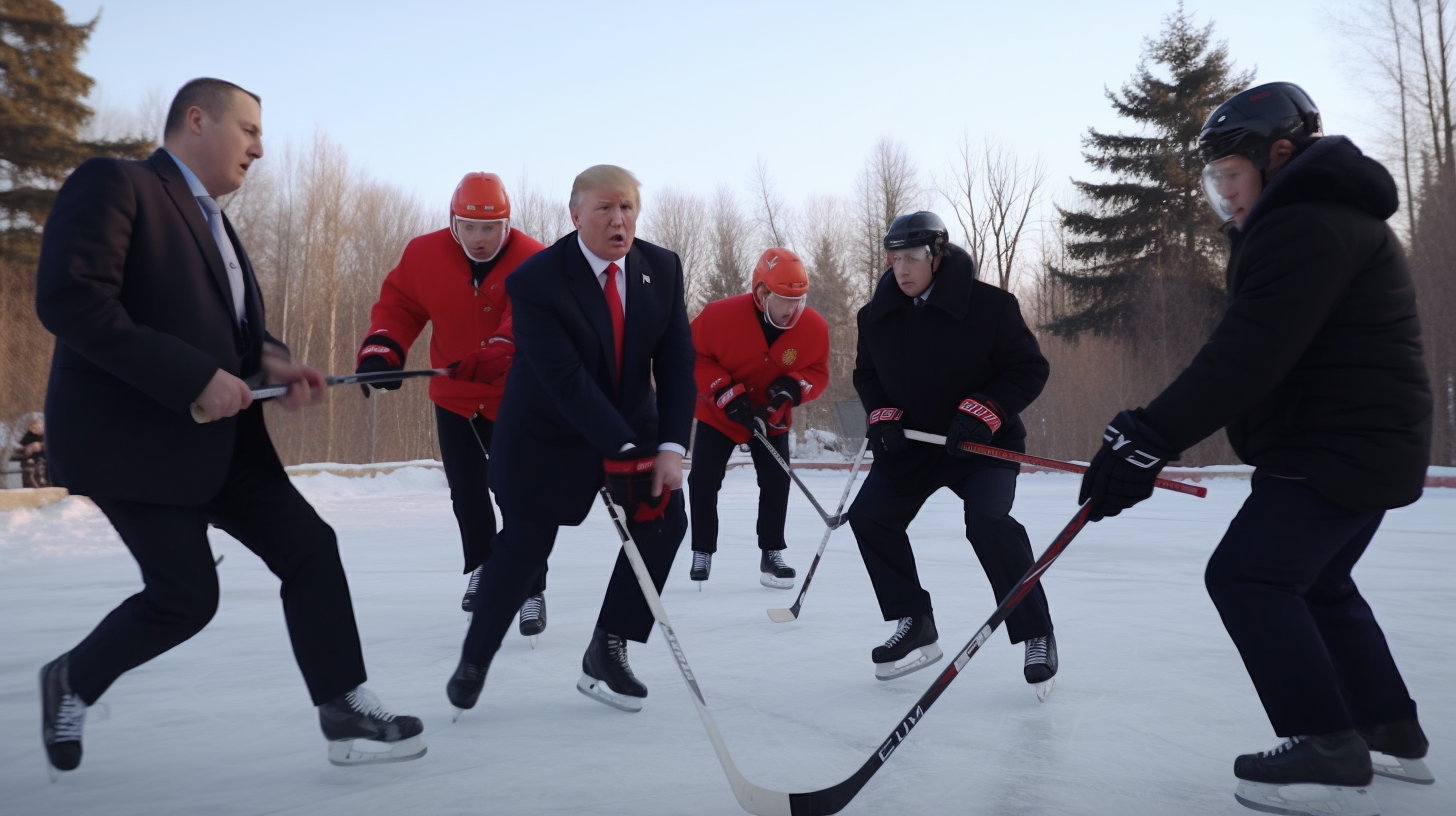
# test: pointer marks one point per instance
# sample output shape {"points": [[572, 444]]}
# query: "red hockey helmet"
{"points": [[480, 214], [785, 286]]}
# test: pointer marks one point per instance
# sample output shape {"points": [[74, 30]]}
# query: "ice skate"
{"points": [[62, 714], [702, 565], [1397, 751], [914, 639], [1324, 775], [361, 732], [1041, 665], [533, 617], [774, 572], [467, 603], [607, 677], [464, 687]]}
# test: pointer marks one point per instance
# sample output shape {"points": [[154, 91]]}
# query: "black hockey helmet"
{"points": [[1253, 120], [918, 229]]}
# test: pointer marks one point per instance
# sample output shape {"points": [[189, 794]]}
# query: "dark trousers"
{"points": [[711, 449], [520, 551], [465, 452], [259, 507], [886, 505], [1281, 581]]}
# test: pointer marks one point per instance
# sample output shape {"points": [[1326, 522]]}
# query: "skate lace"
{"points": [[69, 718], [776, 558], [1282, 747], [1036, 651], [900, 633], [474, 580], [701, 560], [617, 648], [363, 701], [531, 609]]}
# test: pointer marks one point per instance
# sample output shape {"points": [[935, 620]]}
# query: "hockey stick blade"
{"points": [[1052, 464], [268, 392], [792, 613]]}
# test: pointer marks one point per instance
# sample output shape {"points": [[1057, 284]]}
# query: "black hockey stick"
{"points": [[762, 801], [792, 613], [833, 521], [271, 391]]}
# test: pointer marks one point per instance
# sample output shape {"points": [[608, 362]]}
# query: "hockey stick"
{"points": [[832, 522], [1053, 464], [268, 392], [792, 613], [762, 801]]}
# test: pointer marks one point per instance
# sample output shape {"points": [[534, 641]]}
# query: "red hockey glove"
{"points": [[976, 420], [886, 434], [629, 483], [379, 354], [733, 401], [783, 394], [487, 364]]}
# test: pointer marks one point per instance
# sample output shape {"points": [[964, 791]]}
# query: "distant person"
{"points": [[942, 352], [454, 279], [601, 390], [759, 355], [156, 311], [1316, 371], [33, 470]]}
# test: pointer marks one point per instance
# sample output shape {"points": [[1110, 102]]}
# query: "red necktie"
{"points": [[614, 306]]}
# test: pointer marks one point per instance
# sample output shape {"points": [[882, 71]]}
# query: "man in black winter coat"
{"points": [[944, 353], [1316, 371]]}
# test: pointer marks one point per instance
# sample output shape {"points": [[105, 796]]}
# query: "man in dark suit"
{"points": [[602, 383], [158, 317]]}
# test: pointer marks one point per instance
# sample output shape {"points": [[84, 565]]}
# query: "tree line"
{"points": [[1121, 286]]}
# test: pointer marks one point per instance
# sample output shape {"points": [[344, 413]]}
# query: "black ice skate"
{"points": [[775, 573], [702, 565], [1397, 751], [62, 713], [606, 676], [467, 603], [358, 716], [533, 617], [914, 635], [1321, 774], [464, 687], [1041, 665]]}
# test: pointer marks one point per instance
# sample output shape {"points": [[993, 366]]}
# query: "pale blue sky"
{"points": [[688, 94]]}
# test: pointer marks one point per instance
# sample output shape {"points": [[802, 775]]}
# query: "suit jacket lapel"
{"points": [[181, 195], [584, 286], [642, 310]]}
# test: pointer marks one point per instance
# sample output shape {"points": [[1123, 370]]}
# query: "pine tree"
{"points": [[1144, 261], [41, 117]]}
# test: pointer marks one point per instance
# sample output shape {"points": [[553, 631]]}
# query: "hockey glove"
{"points": [[783, 394], [487, 364], [1123, 471], [629, 483], [379, 354], [976, 420], [886, 434], [733, 402]]}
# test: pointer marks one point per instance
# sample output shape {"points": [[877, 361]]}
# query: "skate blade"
{"points": [[458, 712], [773, 582], [1406, 770], [1306, 800], [533, 641], [347, 752], [1044, 689], [602, 693], [782, 615], [927, 655]]}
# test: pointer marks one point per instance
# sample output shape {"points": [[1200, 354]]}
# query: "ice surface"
{"points": [[1152, 702]]}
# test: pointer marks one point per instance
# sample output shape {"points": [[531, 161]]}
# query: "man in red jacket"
{"points": [[759, 355], [463, 294]]}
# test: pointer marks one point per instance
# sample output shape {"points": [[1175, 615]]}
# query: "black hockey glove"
{"points": [[629, 483], [733, 401], [378, 354], [886, 434], [976, 420], [783, 394], [1123, 471]]}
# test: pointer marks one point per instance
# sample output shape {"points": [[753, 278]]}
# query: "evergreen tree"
{"points": [[1144, 261]]}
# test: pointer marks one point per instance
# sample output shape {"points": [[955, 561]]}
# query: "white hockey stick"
{"points": [[792, 613]]}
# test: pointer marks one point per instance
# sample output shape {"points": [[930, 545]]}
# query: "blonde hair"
{"points": [[606, 177]]}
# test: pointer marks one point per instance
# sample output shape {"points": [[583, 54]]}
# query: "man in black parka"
{"points": [[942, 352], [1317, 373]]}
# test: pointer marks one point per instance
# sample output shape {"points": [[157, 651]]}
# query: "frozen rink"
{"points": [[1151, 704]]}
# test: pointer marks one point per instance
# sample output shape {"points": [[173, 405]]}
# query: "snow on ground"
{"points": [[1152, 703]]}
